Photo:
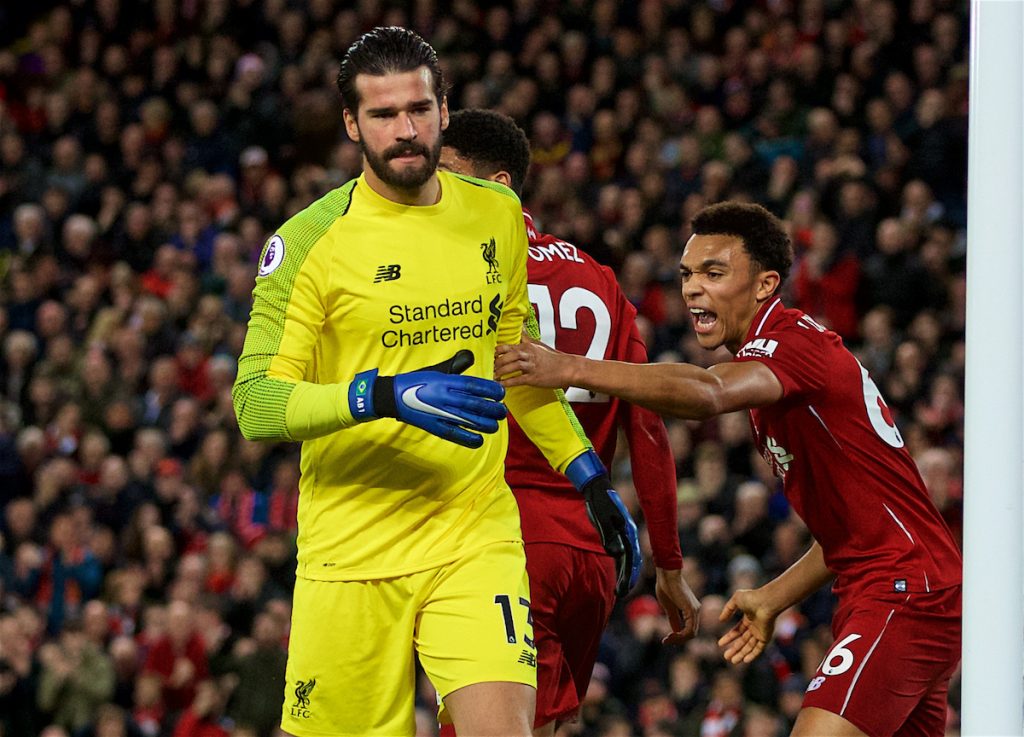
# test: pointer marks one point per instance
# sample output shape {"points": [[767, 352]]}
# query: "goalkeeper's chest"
{"points": [[432, 291]]}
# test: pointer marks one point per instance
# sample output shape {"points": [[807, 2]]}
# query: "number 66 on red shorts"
{"points": [[888, 670]]}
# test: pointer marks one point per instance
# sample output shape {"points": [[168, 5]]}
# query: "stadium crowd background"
{"points": [[147, 150]]}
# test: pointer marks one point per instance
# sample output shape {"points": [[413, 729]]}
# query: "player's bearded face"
{"points": [[403, 174], [398, 126]]}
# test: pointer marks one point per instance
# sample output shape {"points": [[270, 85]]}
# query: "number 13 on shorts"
{"points": [[507, 613]]}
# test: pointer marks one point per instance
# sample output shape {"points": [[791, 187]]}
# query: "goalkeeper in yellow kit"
{"points": [[376, 313]]}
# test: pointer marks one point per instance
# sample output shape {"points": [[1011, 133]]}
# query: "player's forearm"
{"points": [[261, 404], [273, 409], [654, 476], [315, 410], [798, 581], [549, 423], [677, 389]]}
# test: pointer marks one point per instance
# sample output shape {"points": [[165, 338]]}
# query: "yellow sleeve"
{"points": [[545, 416], [273, 398]]}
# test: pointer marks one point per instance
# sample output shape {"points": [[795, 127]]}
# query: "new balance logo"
{"points": [[387, 272], [528, 658]]}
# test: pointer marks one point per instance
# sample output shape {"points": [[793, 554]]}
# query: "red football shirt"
{"points": [[832, 440], [581, 309]]}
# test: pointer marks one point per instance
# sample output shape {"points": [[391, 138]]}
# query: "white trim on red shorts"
{"points": [[863, 662], [867, 657]]}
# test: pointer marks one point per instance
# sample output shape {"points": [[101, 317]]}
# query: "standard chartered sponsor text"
{"points": [[403, 314]]}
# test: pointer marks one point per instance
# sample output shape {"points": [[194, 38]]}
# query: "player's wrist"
{"points": [[771, 601], [584, 469], [384, 402], [372, 396], [575, 370], [664, 574], [361, 397]]}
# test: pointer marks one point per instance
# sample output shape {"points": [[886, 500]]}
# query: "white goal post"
{"points": [[993, 645]]}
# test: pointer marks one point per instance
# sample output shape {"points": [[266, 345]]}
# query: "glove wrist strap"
{"points": [[362, 396], [585, 468], [384, 397]]}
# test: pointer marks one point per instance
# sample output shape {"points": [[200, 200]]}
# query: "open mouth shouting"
{"points": [[704, 321]]}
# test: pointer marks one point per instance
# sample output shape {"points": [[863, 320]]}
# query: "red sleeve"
{"points": [[795, 357], [654, 471]]}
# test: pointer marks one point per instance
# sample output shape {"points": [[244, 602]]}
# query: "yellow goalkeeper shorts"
{"points": [[351, 667]]}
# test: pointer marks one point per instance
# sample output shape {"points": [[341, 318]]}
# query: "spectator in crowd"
{"points": [[63, 574], [20, 675], [202, 718], [258, 663], [77, 677], [825, 282], [894, 276], [179, 658]]}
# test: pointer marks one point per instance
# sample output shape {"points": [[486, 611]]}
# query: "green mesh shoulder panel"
{"points": [[533, 330], [261, 402], [487, 184]]}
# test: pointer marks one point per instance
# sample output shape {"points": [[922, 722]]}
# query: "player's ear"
{"points": [[502, 177], [351, 124], [444, 112], [767, 284]]}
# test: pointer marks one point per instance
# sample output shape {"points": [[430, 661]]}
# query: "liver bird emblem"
{"points": [[302, 690], [490, 257]]}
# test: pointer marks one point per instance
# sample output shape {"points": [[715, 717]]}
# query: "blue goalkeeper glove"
{"points": [[434, 398], [610, 518]]}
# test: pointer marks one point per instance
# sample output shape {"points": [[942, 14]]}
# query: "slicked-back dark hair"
{"points": [[763, 235], [492, 141], [386, 50]]}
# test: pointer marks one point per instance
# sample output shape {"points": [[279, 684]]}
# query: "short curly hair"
{"points": [[492, 142], [764, 236], [387, 50]]}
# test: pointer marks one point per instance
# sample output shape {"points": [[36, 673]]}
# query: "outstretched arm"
{"points": [[760, 607], [677, 389]]}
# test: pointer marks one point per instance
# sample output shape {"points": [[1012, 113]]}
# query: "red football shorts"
{"points": [[572, 592], [889, 668]]}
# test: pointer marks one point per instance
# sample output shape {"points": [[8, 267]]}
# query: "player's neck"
{"points": [[734, 346], [427, 194]]}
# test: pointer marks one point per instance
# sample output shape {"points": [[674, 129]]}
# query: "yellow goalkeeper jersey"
{"points": [[356, 282]]}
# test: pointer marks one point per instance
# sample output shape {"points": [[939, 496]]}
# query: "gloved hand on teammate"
{"points": [[435, 398], [609, 516]]}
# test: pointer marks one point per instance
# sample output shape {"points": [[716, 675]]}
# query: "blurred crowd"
{"points": [[147, 150]]}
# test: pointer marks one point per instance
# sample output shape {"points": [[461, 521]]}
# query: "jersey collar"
{"points": [[532, 234], [766, 316], [384, 203]]}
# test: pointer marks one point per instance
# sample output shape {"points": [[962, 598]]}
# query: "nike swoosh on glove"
{"points": [[437, 399]]}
